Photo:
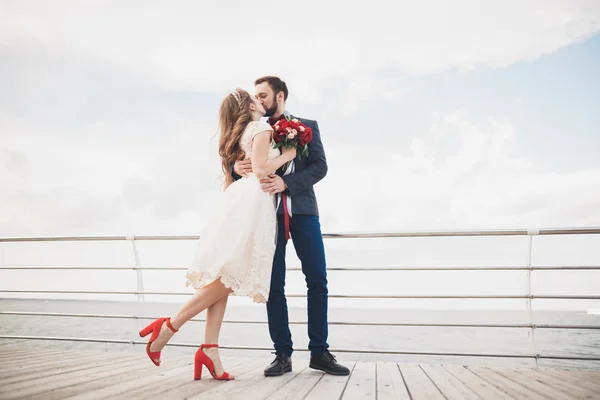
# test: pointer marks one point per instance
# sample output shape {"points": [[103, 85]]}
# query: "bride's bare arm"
{"points": [[261, 165]]}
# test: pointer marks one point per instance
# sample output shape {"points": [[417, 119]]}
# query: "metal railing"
{"points": [[338, 323], [140, 292], [331, 296], [373, 235]]}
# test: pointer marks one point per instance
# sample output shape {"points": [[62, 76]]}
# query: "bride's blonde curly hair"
{"points": [[234, 115]]}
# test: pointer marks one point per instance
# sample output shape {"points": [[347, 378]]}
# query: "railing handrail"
{"points": [[340, 323], [357, 269], [332, 296], [355, 235]]}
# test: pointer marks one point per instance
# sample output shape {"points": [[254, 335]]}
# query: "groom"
{"points": [[298, 212]]}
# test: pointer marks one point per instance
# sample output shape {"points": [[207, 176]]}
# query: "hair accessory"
{"points": [[237, 97]]}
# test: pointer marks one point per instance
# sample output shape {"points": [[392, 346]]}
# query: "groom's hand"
{"points": [[272, 184], [243, 167]]}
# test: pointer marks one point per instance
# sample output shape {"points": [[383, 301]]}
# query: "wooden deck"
{"points": [[52, 373]]}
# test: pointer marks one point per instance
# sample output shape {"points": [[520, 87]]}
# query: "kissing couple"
{"points": [[268, 199]]}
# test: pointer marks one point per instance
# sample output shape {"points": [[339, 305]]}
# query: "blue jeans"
{"points": [[306, 235]]}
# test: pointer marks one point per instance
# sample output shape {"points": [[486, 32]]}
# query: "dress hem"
{"points": [[199, 280]]}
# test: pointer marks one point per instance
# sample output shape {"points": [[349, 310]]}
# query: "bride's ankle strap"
{"points": [[208, 346], [168, 322]]}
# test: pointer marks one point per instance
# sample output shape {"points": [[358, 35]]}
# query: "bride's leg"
{"points": [[201, 300], [214, 319]]}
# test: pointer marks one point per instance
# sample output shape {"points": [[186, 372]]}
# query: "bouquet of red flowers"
{"points": [[290, 132]]}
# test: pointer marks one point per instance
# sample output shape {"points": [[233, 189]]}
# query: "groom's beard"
{"points": [[270, 111]]}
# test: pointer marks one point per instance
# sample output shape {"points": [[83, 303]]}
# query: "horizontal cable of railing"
{"points": [[357, 269], [334, 296], [355, 351], [497, 232], [254, 322]]}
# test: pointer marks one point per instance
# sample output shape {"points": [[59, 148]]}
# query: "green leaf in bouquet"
{"points": [[304, 151]]}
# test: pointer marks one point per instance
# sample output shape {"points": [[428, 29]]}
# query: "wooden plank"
{"points": [[41, 371], [18, 351], [390, 384], [104, 381], [268, 387], [60, 354], [298, 387], [418, 383], [179, 386], [32, 362], [55, 377], [362, 383], [13, 356], [193, 388], [34, 359], [590, 381], [5, 349], [559, 385], [451, 387], [26, 357], [54, 373], [101, 386], [6, 354], [238, 387], [39, 350], [28, 350], [50, 383], [507, 385], [526, 380], [26, 367], [330, 386], [483, 388], [8, 344]]}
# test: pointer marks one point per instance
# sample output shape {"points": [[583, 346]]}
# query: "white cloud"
{"points": [[54, 184], [459, 175], [210, 46]]}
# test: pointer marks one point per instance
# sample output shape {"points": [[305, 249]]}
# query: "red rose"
{"points": [[306, 136], [277, 137], [283, 124]]}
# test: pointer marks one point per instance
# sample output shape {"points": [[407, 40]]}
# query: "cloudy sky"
{"points": [[434, 114]]}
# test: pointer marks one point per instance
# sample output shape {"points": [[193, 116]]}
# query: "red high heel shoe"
{"points": [[202, 359], [154, 328]]}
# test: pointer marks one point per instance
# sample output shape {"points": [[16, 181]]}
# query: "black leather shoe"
{"points": [[279, 366], [326, 362]]}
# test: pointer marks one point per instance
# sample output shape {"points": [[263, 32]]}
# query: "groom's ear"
{"points": [[280, 96]]}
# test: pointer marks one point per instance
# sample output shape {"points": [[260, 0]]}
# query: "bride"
{"points": [[235, 251]]}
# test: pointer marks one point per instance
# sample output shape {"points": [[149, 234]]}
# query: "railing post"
{"points": [[530, 234], [137, 265], [139, 280]]}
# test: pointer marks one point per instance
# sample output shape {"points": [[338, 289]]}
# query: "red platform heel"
{"points": [[154, 328], [202, 359]]}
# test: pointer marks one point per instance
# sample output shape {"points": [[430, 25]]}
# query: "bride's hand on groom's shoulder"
{"points": [[243, 167]]}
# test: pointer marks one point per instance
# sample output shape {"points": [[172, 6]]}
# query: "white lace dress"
{"points": [[238, 243]]}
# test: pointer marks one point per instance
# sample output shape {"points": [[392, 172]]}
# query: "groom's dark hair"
{"points": [[276, 84]]}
